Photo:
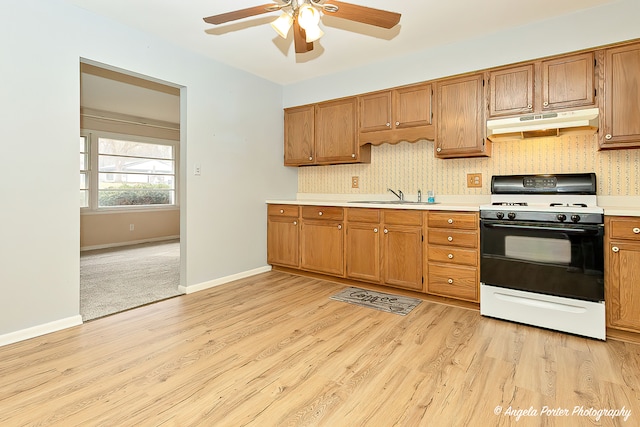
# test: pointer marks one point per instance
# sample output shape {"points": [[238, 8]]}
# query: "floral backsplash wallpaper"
{"points": [[412, 166]]}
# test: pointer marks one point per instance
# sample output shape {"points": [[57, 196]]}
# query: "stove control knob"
{"points": [[575, 218], [561, 217], [511, 215], [500, 215]]}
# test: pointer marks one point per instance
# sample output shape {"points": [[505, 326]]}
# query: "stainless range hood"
{"points": [[544, 124]]}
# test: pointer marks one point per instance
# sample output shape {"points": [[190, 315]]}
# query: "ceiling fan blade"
{"points": [[366, 15], [300, 39], [242, 13]]}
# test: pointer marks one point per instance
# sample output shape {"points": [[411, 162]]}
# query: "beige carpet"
{"points": [[117, 279]]}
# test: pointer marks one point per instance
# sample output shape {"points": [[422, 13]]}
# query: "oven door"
{"points": [[565, 260]]}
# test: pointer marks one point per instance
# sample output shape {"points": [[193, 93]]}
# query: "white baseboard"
{"points": [[221, 281], [39, 330], [132, 242]]}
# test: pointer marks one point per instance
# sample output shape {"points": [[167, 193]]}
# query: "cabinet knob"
{"points": [[320, 213], [375, 230], [450, 281], [438, 149], [339, 226], [450, 220], [353, 156], [450, 239], [386, 231], [529, 106], [545, 104], [397, 123], [450, 256], [295, 222], [615, 249], [388, 125], [310, 157], [608, 136], [281, 210], [636, 230]]}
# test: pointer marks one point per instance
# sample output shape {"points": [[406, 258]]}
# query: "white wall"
{"points": [[232, 127], [597, 26]]}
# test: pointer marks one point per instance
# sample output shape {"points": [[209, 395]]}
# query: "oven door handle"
{"points": [[585, 230]]}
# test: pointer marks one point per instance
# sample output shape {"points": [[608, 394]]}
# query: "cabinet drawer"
{"points": [[363, 215], [322, 212], [402, 217], [453, 281], [466, 221], [450, 255], [465, 239], [282, 210], [624, 228]]}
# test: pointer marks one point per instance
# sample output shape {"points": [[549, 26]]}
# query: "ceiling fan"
{"points": [[304, 17]]}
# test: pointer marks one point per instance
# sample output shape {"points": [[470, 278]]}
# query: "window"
{"points": [[132, 173], [84, 172]]}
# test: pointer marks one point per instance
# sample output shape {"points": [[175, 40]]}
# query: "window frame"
{"points": [[93, 138]]}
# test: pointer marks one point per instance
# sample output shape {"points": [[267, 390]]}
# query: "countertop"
{"points": [[612, 205]]}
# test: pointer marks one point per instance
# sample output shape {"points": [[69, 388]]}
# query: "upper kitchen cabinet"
{"points": [[324, 133], [511, 91], [620, 123], [401, 114], [549, 85], [460, 123], [299, 135]]}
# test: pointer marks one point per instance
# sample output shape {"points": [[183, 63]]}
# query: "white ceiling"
{"points": [[252, 45]]}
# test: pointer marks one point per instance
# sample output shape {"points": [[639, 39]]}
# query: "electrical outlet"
{"points": [[355, 182], [131, 227], [474, 180]]}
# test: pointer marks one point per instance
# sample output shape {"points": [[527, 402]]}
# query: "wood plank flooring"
{"points": [[274, 350]]}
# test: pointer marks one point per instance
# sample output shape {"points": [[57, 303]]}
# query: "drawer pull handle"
{"points": [[281, 210], [386, 231], [450, 239], [339, 226], [320, 213], [450, 220], [636, 230], [615, 249], [450, 256], [450, 281], [375, 230]]}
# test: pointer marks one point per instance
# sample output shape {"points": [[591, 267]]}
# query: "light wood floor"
{"points": [[274, 350]]}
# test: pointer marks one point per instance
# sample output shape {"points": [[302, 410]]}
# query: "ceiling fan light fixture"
{"points": [[313, 33], [283, 24], [308, 16]]}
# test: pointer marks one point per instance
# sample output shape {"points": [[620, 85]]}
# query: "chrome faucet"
{"points": [[399, 194]]}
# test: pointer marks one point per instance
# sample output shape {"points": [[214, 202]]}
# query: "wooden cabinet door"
{"points": [[336, 132], [299, 134], [402, 255], [460, 118], [412, 106], [620, 126], [282, 241], [568, 82], [622, 287], [375, 112], [511, 91], [363, 251], [322, 247]]}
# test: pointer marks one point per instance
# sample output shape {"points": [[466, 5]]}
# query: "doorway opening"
{"points": [[129, 190]]}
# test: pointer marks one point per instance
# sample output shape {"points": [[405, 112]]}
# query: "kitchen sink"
{"points": [[393, 202]]}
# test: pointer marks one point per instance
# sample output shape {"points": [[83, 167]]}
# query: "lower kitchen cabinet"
{"points": [[283, 235], [622, 273], [452, 255], [322, 240], [384, 246]]}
